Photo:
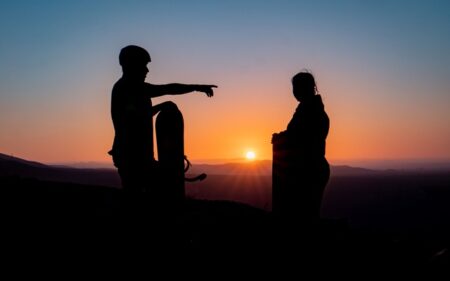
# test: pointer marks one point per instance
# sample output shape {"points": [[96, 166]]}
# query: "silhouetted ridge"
{"points": [[344, 170], [17, 161], [13, 166]]}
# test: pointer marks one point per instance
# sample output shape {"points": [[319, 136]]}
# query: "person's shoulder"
{"points": [[118, 84]]}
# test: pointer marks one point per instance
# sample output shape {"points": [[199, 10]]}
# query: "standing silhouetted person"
{"points": [[132, 112], [300, 170]]}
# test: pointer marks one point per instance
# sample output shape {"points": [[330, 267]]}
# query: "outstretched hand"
{"points": [[207, 89]]}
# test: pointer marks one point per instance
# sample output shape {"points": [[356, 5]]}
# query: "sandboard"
{"points": [[170, 145]]}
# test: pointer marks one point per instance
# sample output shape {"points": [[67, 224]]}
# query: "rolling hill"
{"points": [[371, 218]]}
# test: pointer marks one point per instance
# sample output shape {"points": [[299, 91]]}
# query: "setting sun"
{"points": [[250, 155]]}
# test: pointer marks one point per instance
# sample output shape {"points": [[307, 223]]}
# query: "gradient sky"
{"points": [[382, 68]]}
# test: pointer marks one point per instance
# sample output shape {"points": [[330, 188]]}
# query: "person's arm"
{"points": [[179, 89]]}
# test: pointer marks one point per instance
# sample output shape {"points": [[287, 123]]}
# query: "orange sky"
{"points": [[226, 128]]}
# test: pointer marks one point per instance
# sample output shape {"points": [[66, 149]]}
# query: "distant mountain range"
{"points": [[13, 166], [264, 168]]}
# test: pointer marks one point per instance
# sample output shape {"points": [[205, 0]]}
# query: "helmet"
{"points": [[132, 55]]}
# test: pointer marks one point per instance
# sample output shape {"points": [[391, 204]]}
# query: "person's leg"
{"points": [[131, 179], [141, 191], [303, 195], [323, 177]]}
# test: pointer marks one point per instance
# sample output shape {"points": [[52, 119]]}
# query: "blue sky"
{"points": [[383, 67]]}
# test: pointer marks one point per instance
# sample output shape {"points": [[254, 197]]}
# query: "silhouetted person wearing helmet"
{"points": [[132, 112], [300, 170]]}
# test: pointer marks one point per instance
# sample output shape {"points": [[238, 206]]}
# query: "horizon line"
{"points": [[374, 164], [362, 162], [233, 160]]}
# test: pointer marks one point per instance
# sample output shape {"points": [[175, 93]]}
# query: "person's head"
{"points": [[303, 85], [134, 60]]}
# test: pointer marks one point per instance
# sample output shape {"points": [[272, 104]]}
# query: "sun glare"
{"points": [[250, 155]]}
